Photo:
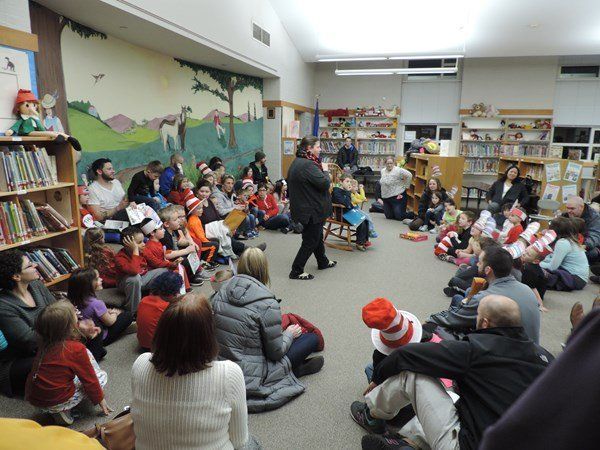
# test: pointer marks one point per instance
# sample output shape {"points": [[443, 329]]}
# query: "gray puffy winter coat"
{"points": [[248, 321]]}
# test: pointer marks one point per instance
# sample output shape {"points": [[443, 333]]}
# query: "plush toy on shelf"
{"points": [[391, 112], [474, 136], [478, 110], [491, 111], [29, 123]]}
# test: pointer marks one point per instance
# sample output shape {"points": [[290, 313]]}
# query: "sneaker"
{"points": [[423, 228], [196, 281], [450, 291], [310, 366], [433, 231], [373, 234], [208, 267], [387, 441], [298, 228], [360, 414], [361, 248], [285, 230], [451, 259], [595, 279], [203, 275], [443, 257], [242, 237], [262, 246], [368, 244], [63, 418], [407, 221]]}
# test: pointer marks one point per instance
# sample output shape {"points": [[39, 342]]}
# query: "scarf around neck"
{"points": [[308, 155]]}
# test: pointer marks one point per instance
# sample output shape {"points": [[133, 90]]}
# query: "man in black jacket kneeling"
{"points": [[491, 368]]}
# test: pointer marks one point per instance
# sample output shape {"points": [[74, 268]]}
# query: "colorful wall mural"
{"points": [[133, 105]]}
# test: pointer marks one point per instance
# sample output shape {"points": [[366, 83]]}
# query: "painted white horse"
{"points": [[174, 129]]}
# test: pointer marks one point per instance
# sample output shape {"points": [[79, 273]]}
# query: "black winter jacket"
{"points": [[426, 200], [518, 191], [308, 191], [491, 367]]}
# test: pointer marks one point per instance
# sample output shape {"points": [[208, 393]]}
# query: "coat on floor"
{"points": [[248, 322]]}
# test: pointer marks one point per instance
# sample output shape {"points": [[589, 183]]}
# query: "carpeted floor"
{"points": [[402, 271]]}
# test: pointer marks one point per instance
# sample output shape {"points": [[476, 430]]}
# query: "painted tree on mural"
{"points": [[229, 82]]}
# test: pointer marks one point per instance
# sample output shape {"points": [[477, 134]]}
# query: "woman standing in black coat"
{"points": [[507, 189], [434, 184], [310, 205]]}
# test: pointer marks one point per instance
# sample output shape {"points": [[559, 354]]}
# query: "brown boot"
{"points": [[576, 314]]}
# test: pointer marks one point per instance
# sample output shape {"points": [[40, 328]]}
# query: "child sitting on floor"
{"points": [[341, 196], [81, 291], [357, 196], [87, 219], [64, 371], [180, 185], [164, 290], [456, 240], [248, 229], [161, 200], [513, 226], [449, 219], [99, 256], [532, 274], [208, 248], [434, 213]]}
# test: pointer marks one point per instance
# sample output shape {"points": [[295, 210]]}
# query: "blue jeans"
{"points": [[277, 222], [433, 216], [301, 348], [456, 301]]}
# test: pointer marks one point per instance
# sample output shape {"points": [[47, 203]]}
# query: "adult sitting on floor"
{"points": [[495, 264], [434, 184], [107, 197], [248, 321], [394, 183], [491, 368], [577, 208], [507, 189]]}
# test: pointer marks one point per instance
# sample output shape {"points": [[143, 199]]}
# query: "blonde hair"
{"points": [[55, 324], [167, 213], [253, 262], [93, 248]]}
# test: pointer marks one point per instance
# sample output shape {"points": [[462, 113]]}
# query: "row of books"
{"points": [[480, 150], [540, 151], [496, 149], [535, 171], [481, 166], [51, 262], [377, 148], [374, 162], [22, 219], [26, 169]]}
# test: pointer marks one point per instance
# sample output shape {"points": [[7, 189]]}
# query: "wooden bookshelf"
{"points": [[61, 196], [420, 166], [536, 169]]}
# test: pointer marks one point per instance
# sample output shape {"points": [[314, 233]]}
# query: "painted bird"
{"points": [[97, 78]]}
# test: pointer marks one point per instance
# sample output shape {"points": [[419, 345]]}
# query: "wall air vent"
{"points": [[261, 35]]}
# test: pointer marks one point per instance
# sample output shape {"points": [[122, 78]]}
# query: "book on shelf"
{"points": [[51, 262], [26, 169], [481, 166], [377, 148], [22, 219]]}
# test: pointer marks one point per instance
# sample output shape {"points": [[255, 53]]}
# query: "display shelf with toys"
{"points": [[550, 178], [503, 135], [449, 169], [39, 210]]}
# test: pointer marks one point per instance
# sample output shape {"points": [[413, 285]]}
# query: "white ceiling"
{"points": [[477, 28]]}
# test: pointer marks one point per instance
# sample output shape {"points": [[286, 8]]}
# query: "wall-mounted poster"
{"points": [[551, 192], [289, 147], [572, 172], [552, 172], [294, 129], [568, 190]]}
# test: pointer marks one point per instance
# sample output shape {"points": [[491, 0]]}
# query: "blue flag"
{"points": [[316, 120]]}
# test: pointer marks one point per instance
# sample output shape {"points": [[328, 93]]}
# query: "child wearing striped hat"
{"points": [[208, 248], [456, 240], [532, 274], [513, 226]]}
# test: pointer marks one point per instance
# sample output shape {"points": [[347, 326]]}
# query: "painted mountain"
{"points": [[154, 124], [120, 123]]}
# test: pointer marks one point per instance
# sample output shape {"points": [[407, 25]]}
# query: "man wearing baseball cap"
{"points": [[491, 368]]}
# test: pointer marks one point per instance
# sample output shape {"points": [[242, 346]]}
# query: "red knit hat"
{"points": [[25, 95], [391, 328], [192, 203], [522, 215], [203, 168], [247, 184], [82, 189]]}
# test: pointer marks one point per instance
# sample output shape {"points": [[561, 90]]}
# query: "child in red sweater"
{"points": [[132, 268], [64, 371], [271, 220], [165, 289], [180, 185], [516, 218]]}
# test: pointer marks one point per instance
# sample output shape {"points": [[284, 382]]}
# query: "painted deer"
{"points": [[174, 129]]}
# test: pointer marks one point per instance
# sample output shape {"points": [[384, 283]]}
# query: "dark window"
{"points": [[571, 135], [576, 153], [597, 137], [445, 134], [579, 71], [423, 131]]}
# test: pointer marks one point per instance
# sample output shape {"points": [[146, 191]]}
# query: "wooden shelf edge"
{"points": [[57, 280], [58, 185], [35, 239]]}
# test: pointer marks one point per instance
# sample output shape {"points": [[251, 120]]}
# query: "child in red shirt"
{"points": [[64, 371], [516, 217], [271, 219], [100, 257], [180, 185], [132, 268], [165, 290], [86, 217]]}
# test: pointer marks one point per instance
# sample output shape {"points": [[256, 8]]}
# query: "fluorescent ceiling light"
{"points": [[428, 57], [366, 58], [398, 71]]}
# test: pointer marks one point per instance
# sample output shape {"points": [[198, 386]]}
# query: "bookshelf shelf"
{"points": [[58, 280], [40, 189], [35, 239]]}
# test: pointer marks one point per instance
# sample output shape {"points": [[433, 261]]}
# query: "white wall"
{"points": [[15, 14], [272, 143], [509, 82], [430, 102], [577, 102], [231, 28], [350, 92]]}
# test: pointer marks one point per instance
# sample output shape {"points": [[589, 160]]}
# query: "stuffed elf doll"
{"points": [[29, 123]]}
